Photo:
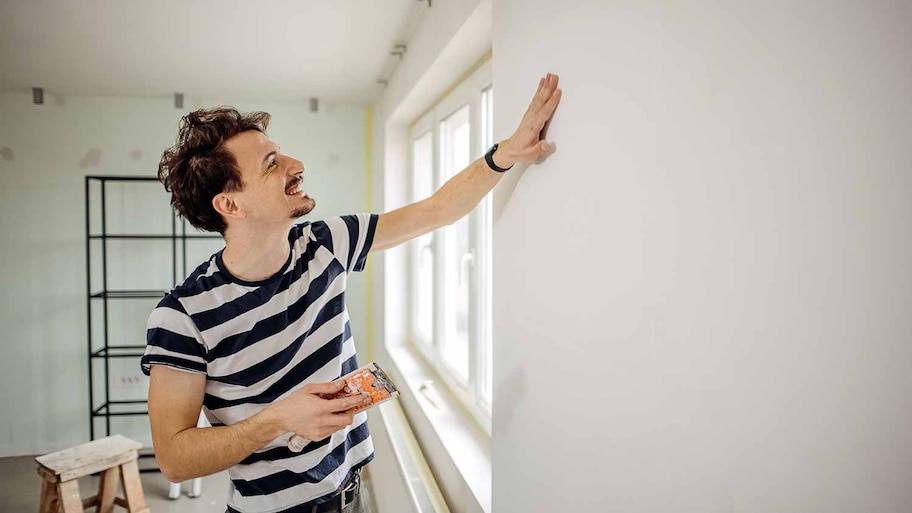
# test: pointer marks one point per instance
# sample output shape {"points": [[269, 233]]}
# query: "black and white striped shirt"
{"points": [[257, 342]]}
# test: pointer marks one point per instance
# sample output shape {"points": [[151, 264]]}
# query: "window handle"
{"points": [[467, 260], [425, 388], [425, 250]]}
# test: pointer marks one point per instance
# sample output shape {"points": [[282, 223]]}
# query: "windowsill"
{"points": [[444, 428]]}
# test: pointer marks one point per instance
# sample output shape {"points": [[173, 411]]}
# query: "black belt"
{"points": [[346, 496]]}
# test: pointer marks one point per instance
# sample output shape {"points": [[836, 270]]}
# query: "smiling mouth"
{"points": [[294, 188]]}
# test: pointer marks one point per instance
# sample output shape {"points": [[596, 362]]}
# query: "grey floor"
{"points": [[20, 490]]}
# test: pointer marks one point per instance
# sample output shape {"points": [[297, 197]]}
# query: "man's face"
{"points": [[273, 189]]}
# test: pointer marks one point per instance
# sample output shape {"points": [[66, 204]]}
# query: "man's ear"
{"points": [[226, 205]]}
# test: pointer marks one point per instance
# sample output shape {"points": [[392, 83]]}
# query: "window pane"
{"points": [[486, 343], [457, 258], [423, 247]]}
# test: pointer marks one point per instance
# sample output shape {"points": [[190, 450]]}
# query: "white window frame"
{"points": [[467, 92]]}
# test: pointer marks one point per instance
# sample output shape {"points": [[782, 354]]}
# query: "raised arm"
{"points": [[462, 193]]}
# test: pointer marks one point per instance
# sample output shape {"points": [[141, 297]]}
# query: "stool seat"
{"points": [[115, 456]]}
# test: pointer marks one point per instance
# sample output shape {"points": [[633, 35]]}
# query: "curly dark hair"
{"points": [[199, 167]]}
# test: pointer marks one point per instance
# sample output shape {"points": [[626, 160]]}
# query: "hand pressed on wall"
{"points": [[527, 144]]}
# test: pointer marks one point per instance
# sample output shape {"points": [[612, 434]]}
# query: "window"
{"points": [[450, 291], [423, 247]]}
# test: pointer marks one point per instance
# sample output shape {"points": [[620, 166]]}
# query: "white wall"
{"points": [[702, 300], [43, 372]]}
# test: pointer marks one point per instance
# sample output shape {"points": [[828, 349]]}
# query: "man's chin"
{"points": [[305, 209]]}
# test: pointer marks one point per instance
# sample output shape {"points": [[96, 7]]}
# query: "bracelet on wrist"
{"points": [[489, 158]]}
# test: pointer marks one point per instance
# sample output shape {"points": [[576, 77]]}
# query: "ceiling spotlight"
{"points": [[178, 100], [37, 96]]}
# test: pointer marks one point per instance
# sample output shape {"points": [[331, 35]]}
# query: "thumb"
{"points": [[534, 152], [330, 387]]}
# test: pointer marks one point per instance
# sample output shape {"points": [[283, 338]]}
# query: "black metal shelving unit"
{"points": [[98, 300]]}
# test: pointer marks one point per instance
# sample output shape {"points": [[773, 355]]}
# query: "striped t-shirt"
{"points": [[257, 342]]}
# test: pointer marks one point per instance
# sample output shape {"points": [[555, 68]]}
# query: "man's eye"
{"points": [[273, 163]]}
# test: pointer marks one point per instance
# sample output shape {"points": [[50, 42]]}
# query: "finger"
{"points": [[549, 81], [539, 101], [344, 419], [543, 134], [533, 153], [542, 86], [539, 96], [330, 387], [346, 403], [336, 421], [548, 89], [325, 432], [549, 93], [544, 115]]}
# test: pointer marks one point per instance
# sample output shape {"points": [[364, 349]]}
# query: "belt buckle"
{"points": [[352, 485]]}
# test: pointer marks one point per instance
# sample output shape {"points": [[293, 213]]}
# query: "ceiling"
{"points": [[334, 50]]}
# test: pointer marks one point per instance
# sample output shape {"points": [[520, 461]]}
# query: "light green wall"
{"points": [[45, 152]]}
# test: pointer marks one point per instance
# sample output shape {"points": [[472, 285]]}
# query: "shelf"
{"points": [[122, 178], [127, 236], [121, 408], [130, 294], [98, 212], [120, 351], [144, 455]]}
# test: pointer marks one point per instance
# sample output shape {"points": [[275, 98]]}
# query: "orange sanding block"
{"points": [[369, 379]]}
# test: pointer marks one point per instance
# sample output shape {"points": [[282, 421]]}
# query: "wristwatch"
{"points": [[489, 158]]}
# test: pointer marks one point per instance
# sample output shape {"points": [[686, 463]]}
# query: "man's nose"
{"points": [[293, 165]]}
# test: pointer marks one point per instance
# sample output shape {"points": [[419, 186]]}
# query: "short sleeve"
{"points": [[173, 339], [348, 237]]}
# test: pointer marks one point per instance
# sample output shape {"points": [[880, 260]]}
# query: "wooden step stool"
{"points": [[111, 455]]}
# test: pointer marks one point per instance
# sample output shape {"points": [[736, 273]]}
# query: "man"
{"points": [[257, 335]]}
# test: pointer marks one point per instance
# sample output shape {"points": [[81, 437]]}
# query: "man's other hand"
{"points": [[307, 413]]}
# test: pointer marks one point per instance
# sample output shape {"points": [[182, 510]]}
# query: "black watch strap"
{"points": [[489, 158]]}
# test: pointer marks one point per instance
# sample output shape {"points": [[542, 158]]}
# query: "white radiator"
{"points": [[400, 477]]}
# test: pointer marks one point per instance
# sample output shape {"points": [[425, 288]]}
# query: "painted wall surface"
{"points": [[702, 300], [45, 152]]}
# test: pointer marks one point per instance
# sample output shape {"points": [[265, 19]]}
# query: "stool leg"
{"points": [[196, 487], [69, 497], [107, 490], [49, 500], [174, 491], [129, 473]]}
